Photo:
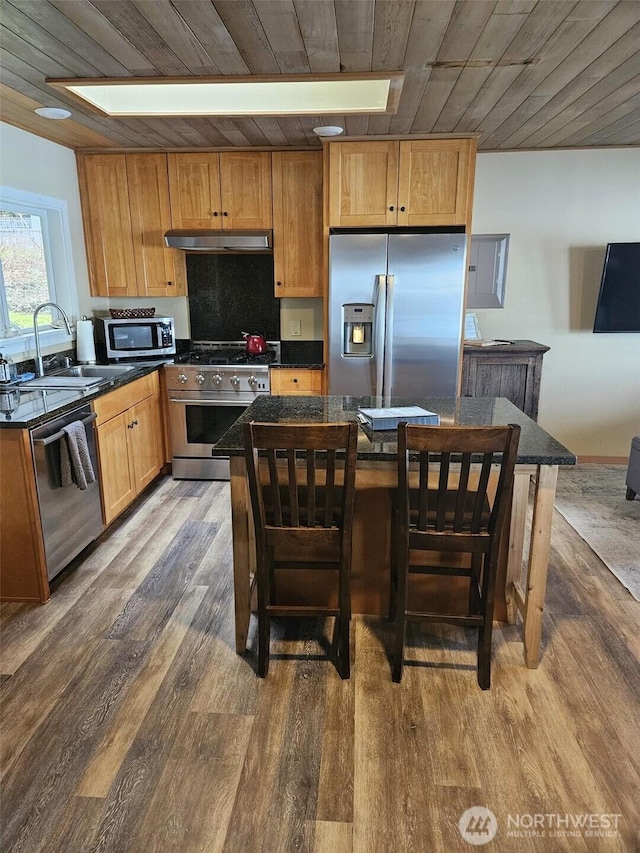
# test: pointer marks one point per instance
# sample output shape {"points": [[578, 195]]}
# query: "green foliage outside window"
{"points": [[23, 267]]}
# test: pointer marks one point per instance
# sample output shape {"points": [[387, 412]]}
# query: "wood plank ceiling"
{"points": [[522, 74]]}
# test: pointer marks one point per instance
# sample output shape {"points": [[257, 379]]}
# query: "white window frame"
{"points": [[56, 236]]}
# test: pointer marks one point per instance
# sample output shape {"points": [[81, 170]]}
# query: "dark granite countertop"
{"points": [[32, 408], [300, 365], [537, 447]]}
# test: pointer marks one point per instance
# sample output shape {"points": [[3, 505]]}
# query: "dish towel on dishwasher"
{"points": [[75, 462]]}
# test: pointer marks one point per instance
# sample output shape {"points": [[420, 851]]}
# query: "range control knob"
{"points": [[235, 381], [217, 378], [182, 377], [252, 380], [199, 378]]}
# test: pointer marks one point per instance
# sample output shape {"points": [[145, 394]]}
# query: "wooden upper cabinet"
{"points": [[231, 190], [104, 194], [363, 183], [245, 186], [400, 183], [160, 271], [125, 206], [194, 180], [297, 223], [435, 181]]}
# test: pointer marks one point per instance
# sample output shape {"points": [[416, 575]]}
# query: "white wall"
{"points": [[36, 165], [561, 209]]}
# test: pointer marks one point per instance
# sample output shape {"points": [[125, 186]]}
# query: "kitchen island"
{"points": [[522, 581]]}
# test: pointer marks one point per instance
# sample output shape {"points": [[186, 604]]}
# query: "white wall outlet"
{"points": [[295, 328]]}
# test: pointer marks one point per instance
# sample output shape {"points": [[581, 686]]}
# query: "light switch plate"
{"points": [[295, 328]]}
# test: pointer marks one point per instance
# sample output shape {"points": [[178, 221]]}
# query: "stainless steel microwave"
{"points": [[135, 337]]}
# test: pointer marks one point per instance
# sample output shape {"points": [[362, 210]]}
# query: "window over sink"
{"points": [[36, 266]]}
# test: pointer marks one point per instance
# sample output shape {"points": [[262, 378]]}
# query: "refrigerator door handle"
{"points": [[388, 338], [380, 317]]}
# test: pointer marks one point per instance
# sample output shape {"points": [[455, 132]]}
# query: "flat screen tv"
{"points": [[618, 308]]}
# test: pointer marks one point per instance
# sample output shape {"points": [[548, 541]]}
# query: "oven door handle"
{"points": [[212, 402]]}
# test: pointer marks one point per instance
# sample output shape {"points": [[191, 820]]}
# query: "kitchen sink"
{"points": [[82, 377], [106, 371]]}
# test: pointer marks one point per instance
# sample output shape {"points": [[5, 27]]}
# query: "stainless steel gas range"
{"points": [[208, 393]]}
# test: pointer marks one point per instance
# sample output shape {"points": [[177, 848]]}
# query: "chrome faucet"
{"points": [[39, 365]]}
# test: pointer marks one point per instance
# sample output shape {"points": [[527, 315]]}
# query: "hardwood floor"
{"points": [[130, 724]]}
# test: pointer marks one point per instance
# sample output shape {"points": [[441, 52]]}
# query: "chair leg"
{"points": [[486, 629], [343, 648], [398, 654], [401, 606], [264, 622], [263, 645], [484, 656], [393, 570], [474, 583], [631, 495]]}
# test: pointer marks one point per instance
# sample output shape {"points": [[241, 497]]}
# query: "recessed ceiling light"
{"points": [[337, 94], [52, 112], [328, 130]]}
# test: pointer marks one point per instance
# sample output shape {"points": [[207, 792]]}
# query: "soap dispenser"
{"points": [[8, 370]]}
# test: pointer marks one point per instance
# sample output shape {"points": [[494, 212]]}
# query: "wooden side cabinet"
{"points": [[130, 442], [296, 380], [509, 370]]}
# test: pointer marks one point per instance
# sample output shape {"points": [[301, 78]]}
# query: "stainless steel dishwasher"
{"points": [[71, 517]]}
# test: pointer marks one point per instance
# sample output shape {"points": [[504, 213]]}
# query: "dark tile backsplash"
{"points": [[302, 352], [231, 294]]}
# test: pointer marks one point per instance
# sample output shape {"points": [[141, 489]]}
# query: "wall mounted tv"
{"points": [[618, 308]]}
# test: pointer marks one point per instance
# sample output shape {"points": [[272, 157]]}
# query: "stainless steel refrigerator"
{"points": [[395, 313]]}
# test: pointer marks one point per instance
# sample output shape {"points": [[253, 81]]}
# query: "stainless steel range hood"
{"points": [[219, 241]]}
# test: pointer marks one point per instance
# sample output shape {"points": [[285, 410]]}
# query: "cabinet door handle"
{"points": [[169, 283], [295, 380], [279, 283], [214, 212], [403, 209], [392, 207], [224, 213]]}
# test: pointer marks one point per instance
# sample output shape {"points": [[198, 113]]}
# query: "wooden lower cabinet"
{"points": [[296, 381], [130, 442]]}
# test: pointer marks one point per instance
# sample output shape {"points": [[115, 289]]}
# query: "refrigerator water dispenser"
{"points": [[357, 329]]}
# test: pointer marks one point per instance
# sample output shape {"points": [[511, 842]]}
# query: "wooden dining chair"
{"points": [[302, 485], [447, 505]]}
